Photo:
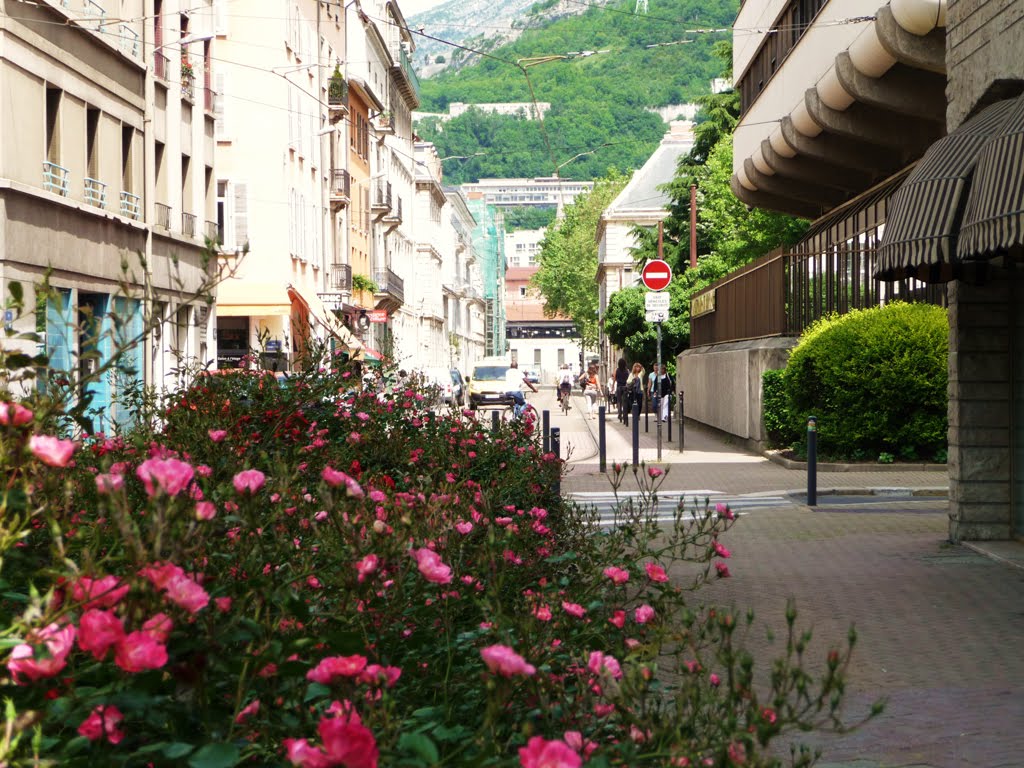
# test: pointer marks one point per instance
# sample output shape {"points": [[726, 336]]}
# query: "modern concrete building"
{"points": [[464, 305], [897, 129], [522, 247], [106, 187], [642, 203], [489, 245], [538, 342], [545, 191]]}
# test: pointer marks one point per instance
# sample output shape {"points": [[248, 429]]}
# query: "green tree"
{"points": [[567, 278]]}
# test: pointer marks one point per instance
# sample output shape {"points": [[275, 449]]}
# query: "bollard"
{"points": [[681, 425], [556, 448], [647, 414], [669, 422], [625, 411], [545, 421], [494, 421], [812, 461], [602, 444], [636, 434]]}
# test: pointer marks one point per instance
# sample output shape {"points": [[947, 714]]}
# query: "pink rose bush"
{"points": [[240, 582]]}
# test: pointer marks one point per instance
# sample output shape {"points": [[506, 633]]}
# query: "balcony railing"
{"points": [[341, 277], [394, 215], [337, 98], [163, 215], [341, 188], [129, 40], [188, 224], [55, 178], [405, 76], [381, 195], [390, 283], [94, 14], [131, 205], [161, 66], [212, 232], [95, 193], [188, 84]]}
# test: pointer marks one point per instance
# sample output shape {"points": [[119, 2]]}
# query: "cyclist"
{"points": [[564, 382], [514, 381]]}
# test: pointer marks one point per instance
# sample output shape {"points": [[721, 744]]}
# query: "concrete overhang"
{"points": [[877, 103]]}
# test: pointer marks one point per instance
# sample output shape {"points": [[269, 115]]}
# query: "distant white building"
{"points": [[522, 247], [640, 203], [543, 191]]}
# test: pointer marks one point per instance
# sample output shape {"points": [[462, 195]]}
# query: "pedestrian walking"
{"points": [[663, 392], [621, 391], [635, 386]]}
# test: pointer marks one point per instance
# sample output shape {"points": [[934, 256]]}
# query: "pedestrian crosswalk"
{"points": [[604, 502]]}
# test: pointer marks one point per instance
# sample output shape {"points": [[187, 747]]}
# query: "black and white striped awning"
{"points": [[926, 213]]}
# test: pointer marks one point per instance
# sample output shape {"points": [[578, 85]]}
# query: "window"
{"points": [[561, 357], [187, 203], [522, 290], [53, 100], [92, 127], [232, 214], [220, 124], [127, 158]]}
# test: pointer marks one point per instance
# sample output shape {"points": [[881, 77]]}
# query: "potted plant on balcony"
{"points": [[337, 88], [187, 71], [364, 283], [384, 120]]}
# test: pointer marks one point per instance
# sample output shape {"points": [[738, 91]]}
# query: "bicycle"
{"points": [[527, 414], [565, 401]]}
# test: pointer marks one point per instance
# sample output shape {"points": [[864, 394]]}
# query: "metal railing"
{"points": [[188, 224], [95, 192], [129, 40], [131, 205], [55, 178], [341, 277], [395, 212], [212, 232], [188, 85], [92, 10], [341, 183], [381, 194], [388, 282], [163, 215]]}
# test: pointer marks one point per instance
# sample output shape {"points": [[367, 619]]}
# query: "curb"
{"points": [[775, 458], [884, 492]]}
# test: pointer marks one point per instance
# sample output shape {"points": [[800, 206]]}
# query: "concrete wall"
{"points": [[722, 383], [984, 41]]}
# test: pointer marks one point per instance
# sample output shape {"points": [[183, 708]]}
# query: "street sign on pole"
{"points": [[656, 315], [655, 301], [656, 275]]}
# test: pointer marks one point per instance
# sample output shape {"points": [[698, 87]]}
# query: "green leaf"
{"points": [[317, 691], [444, 733], [177, 749], [421, 744], [215, 756]]}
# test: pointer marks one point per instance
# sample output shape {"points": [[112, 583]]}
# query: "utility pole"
{"points": [[693, 228]]}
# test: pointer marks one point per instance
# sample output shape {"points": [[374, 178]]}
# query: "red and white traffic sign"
{"points": [[656, 274]]}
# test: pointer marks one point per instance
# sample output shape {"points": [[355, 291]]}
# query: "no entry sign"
{"points": [[656, 274]]}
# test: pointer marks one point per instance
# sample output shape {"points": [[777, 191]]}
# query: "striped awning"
{"points": [[994, 217], [319, 312], [925, 214]]}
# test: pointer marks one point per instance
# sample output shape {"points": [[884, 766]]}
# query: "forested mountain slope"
{"points": [[599, 102]]}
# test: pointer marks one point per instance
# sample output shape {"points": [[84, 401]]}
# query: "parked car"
{"points": [[487, 383], [458, 388], [532, 375], [441, 383]]}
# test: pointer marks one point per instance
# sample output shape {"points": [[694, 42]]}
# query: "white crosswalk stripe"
{"points": [[604, 502]]}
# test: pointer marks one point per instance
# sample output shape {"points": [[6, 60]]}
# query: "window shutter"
{"points": [[291, 122], [220, 17], [220, 124], [241, 217]]}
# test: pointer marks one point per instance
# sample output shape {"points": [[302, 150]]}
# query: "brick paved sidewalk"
{"points": [[940, 627]]}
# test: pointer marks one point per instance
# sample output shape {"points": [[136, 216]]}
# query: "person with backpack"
{"points": [[621, 377], [635, 386], [662, 392]]}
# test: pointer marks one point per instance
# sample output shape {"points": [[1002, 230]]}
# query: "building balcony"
{"points": [[394, 216], [384, 124], [390, 292], [341, 277], [188, 224], [163, 216], [405, 76], [341, 189], [337, 98], [95, 193], [380, 199], [161, 66], [131, 205], [188, 83], [56, 178], [213, 233]]}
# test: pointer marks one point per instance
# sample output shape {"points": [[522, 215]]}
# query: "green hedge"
{"points": [[876, 380], [779, 424]]}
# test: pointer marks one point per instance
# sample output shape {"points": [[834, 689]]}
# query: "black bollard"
{"points": [[556, 448], [545, 422], [494, 421], [669, 421], [812, 461], [647, 414], [636, 434], [625, 414], [602, 444]]}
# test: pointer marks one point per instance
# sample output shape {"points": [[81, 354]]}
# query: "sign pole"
{"points": [[657, 383]]}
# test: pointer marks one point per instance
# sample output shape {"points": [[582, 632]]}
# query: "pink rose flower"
{"points": [[139, 651], [249, 481], [335, 667], [106, 592], [160, 574], [348, 743], [109, 483], [336, 478], [724, 511], [502, 660], [464, 527], [574, 609], [617, 575], [723, 570], [103, 721], [542, 612], [57, 641], [300, 753], [248, 711], [52, 451], [367, 566], [715, 680], [14, 415], [720, 550], [643, 614], [171, 476], [655, 572], [99, 631], [431, 566], [206, 510], [223, 604], [601, 663], [655, 472], [541, 753], [159, 627], [216, 435], [618, 619], [375, 674]]}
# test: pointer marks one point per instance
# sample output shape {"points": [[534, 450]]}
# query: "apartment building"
{"points": [[897, 129], [464, 305], [107, 190]]}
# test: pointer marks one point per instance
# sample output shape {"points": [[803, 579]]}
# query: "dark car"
{"points": [[458, 388]]}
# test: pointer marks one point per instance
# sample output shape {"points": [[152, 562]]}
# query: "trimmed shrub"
{"points": [[876, 381], [779, 424]]}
